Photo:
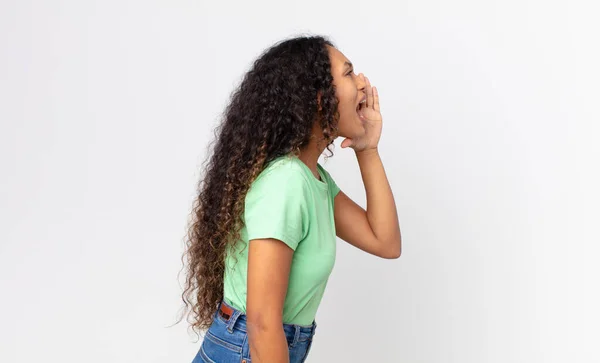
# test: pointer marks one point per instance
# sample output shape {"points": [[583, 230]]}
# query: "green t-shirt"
{"points": [[287, 202]]}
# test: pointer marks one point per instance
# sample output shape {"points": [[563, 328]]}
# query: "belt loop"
{"points": [[232, 319], [296, 334], [217, 311]]}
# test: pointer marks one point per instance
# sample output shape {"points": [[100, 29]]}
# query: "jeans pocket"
{"points": [[217, 350], [307, 350]]}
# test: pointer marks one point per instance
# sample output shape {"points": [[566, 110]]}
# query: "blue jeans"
{"points": [[226, 340]]}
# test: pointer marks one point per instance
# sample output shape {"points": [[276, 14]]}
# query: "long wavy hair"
{"points": [[272, 113]]}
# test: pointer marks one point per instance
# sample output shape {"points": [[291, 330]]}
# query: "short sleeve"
{"points": [[276, 207]]}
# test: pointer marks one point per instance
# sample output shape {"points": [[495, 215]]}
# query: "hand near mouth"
{"points": [[372, 121]]}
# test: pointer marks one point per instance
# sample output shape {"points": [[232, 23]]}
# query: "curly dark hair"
{"points": [[272, 113]]}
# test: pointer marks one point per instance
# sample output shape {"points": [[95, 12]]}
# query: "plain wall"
{"points": [[490, 143]]}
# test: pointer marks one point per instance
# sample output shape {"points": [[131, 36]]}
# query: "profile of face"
{"points": [[350, 91]]}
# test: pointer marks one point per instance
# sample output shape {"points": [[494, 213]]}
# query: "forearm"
{"points": [[381, 207], [268, 344]]}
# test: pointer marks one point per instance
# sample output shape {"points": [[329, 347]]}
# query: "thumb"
{"points": [[347, 142]]}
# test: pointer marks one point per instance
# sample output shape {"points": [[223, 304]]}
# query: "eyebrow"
{"points": [[348, 64]]}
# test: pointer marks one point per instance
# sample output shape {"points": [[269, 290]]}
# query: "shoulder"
{"points": [[281, 174]]}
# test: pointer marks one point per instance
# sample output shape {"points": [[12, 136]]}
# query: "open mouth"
{"points": [[360, 107]]}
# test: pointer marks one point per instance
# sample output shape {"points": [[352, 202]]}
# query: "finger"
{"points": [[369, 93], [375, 99]]}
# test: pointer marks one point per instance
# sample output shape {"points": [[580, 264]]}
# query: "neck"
{"points": [[310, 154]]}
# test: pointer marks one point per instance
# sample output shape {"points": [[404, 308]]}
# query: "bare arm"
{"points": [[381, 207], [269, 262], [376, 230]]}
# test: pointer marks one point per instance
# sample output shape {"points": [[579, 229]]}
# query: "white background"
{"points": [[490, 143]]}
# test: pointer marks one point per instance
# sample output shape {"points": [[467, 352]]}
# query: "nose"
{"points": [[362, 82]]}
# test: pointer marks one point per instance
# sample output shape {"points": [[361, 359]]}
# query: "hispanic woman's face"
{"points": [[350, 91]]}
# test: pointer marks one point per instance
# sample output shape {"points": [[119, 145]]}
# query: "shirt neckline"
{"points": [[321, 183]]}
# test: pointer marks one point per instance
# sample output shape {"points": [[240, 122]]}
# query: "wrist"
{"points": [[369, 151]]}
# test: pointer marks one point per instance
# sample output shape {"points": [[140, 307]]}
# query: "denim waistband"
{"points": [[237, 320]]}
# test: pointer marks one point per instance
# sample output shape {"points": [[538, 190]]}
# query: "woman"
{"points": [[262, 241]]}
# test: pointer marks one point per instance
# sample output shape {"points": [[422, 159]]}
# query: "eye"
{"points": [[351, 71]]}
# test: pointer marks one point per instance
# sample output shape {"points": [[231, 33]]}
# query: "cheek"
{"points": [[347, 105], [347, 98]]}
